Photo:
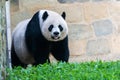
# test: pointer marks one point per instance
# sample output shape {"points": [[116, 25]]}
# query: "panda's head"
{"points": [[53, 26]]}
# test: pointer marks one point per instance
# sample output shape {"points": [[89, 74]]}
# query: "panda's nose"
{"points": [[56, 33]]}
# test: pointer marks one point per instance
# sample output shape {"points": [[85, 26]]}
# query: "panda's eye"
{"points": [[60, 27], [50, 27]]}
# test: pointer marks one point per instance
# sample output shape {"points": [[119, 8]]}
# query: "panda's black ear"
{"points": [[63, 15], [34, 20], [33, 27], [45, 15]]}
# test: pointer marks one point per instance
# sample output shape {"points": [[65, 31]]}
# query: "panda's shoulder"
{"points": [[23, 23]]}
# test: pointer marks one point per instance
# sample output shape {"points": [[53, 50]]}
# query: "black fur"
{"points": [[60, 50], [50, 27], [45, 15], [60, 27], [63, 15], [39, 47]]}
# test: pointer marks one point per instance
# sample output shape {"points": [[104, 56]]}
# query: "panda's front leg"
{"points": [[60, 50], [41, 56], [41, 60]]}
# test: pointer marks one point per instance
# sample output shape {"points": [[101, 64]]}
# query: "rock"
{"points": [[100, 46], [102, 27]]}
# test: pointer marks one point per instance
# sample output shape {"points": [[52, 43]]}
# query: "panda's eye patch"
{"points": [[60, 27], [50, 28]]}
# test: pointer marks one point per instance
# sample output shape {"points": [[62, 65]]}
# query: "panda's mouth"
{"points": [[55, 37]]}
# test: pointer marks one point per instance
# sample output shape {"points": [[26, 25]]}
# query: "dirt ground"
{"points": [[84, 58]]}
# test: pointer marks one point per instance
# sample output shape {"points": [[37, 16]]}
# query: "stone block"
{"points": [[118, 28], [14, 6], [115, 43], [24, 3], [94, 11], [114, 10], [100, 46], [79, 31], [97, 0], [74, 12], [100, 0], [71, 1], [77, 47], [102, 27], [19, 16]]}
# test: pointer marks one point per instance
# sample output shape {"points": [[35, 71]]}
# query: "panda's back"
{"points": [[19, 39]]}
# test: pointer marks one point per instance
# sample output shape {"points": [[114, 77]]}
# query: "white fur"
{"points": [[18, 36], [56, 20]]}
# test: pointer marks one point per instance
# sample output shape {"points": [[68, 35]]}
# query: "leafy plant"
{"points": [[98, 70]]}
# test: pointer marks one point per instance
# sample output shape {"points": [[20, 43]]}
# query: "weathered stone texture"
{"points": [[71, 1], [94, 11], [115, 44], [80, 31], [114, 11], [100, 46], [118, 28], [102, 27], [78, 34], [74, 12], [77, 47], [97, 0], [24, 3], [19, 16]]}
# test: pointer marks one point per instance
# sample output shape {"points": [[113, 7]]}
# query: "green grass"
{"points": [[68, 71]]}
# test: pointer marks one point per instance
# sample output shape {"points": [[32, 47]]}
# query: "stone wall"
{"points": [[94, 25]]}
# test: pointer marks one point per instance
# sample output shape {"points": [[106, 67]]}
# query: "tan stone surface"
{"points": [[85, 57], [114, 11], [73, 11], [103, 57], [115, 43], [80, 31], [77, 47], [99, 46], [94, 11], [31, 3]]}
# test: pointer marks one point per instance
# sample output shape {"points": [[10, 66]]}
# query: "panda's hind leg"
{"points": [[15, 60]]}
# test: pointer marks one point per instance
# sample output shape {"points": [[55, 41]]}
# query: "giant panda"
{"points": [[34, 39]]}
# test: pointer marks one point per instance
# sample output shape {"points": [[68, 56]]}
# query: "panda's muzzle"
{"points": [[55, 35]]}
